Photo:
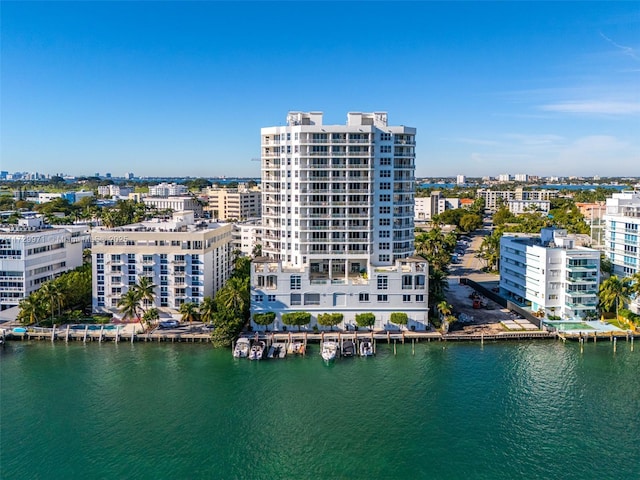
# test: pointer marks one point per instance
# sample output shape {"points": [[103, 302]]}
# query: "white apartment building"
{"points": [[230, 204], [521, 177], [504, 178], [246, 236], [524, 206], [167, 189], [338, 220], [32, 253], [114, 191], [461, 179], [493, 198], [187, 260], [177, 204], [426, 207], [550, 273], [622, 232]]}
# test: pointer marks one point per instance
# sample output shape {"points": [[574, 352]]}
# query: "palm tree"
{"points": [[189, 312], [31, 310], [145, 289], [490, 249], [129, 304], [207, 310], [438, 286], [54, 295], [234, 296], [150, 316], [444, 308], [614, 291]]}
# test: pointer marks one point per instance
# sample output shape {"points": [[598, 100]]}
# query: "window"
{"points": [[385, 197], [385, 246], [384, 222], [385, 161], [385, 234], [271, 298], [383, 282], [385, 137], [383, 258], [296, 299], [383, 298], [312, 299], [385, 173], [384, 210], [364, 297], [406, 298], [258, 298], [385, 186], [295, 282], [419, 298]]}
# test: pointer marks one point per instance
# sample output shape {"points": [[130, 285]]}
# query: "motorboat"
{"points": [[348, 348], [242, 348], [257, 350], [329, 350], [366, 348], [296, 348], [277, 350]]}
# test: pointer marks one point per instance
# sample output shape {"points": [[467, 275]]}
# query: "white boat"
{"points": [[296, 348], [277, 350], [366, 348], [329, 350], [242, 347], [257, 350]]}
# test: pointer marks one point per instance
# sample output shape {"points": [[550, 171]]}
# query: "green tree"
{"points": [[489, 249], [31, 310], [330, 319], [438, 286], [296, 318], [207, 309], [145, 290], [129, 304], [444, 308], [151, 316], [470, 222], [189, 311], [399, 318], [265, 319], [613, 292], [365, 319], [53, 294], [234, 296]]}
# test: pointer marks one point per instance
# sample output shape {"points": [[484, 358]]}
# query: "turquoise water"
{"points": [[498, 411], [570, 325]]}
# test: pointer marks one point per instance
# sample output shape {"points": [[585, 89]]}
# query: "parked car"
{"points": [[169, 324]]}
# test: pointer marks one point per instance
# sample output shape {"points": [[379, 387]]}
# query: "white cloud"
{"points": [[594, 107], [629, 51]]}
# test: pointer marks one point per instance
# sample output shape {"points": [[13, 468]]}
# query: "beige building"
{"points": [[234, 204], [177, 204], [186, 260]]}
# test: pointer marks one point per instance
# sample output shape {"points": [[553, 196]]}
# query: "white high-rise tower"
{"points": [[338, 210]]}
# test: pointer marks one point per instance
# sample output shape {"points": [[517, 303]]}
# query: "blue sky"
{"points": [[182, 89]]}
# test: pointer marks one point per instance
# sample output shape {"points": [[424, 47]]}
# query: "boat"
{"points": [[257, 350], [242, 347], [277, 350], [296, 348], [366, 348], [348, 348], [329, 350]]}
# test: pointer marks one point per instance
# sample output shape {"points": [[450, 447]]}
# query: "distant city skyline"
{"points": [[182, 89]]}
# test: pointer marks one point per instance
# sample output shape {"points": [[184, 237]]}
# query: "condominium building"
{"points": [[32, 253], [622, 232], [234, 204], [176, 204], [187, 260], [338, 219], [494, 198], [461, 179], [550, 273], [167, 189], [434, 204], [114, 191], [247, 236], [524, 206]]}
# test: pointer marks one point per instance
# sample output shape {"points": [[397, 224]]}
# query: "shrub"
{"points": [[365, 319], [330, 319], [399, 318], [296, 318], [265, 318]]}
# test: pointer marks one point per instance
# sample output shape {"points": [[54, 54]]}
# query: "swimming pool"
{"points": [[565, 326]]}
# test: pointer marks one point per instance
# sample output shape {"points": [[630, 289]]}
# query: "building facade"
{"points": [[622, 232], [177, 204], [32, 254], [167, 189], [493, 199], [187, 261], [549, 273], [338, 219], [434, 204], [234, 204]]}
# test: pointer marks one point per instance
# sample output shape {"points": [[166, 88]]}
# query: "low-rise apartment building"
{"points": [[186, 260], [550, 273]]}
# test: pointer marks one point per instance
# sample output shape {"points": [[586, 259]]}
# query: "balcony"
{"points": [[582, 306]]}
